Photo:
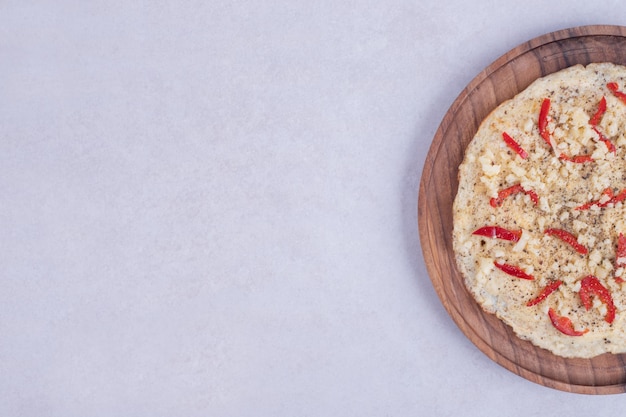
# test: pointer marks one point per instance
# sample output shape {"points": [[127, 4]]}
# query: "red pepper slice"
{"points": [[620, 254], [543, 121], [607, 192], [597, 117], [502, 194], [585, 206], [564, 324], [512, 143], [568, 238], [619, 197], [578, 159], [497, 232], [545, 292], [513, 270], [533, 196], [621, 251], [615, 90], [591, 286], [613, 199], [514, 189], [604, 139]]}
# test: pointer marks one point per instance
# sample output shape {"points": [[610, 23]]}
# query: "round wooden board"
{"points": [[507, 76]]}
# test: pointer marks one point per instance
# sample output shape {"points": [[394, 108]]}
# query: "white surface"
{"points": [[208, 208]]}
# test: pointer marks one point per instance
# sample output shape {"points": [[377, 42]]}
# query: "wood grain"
{"points": [[507, 76]]}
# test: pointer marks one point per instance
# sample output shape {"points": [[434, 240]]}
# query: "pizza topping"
{"points": [[568, 238], [578, 159], [514, 189], [497, 232], [619, 197], [616, 92], [512, 143], [544, 293], [564, 324], [595, 119], [606, 199], [489, 167], [543, 121], [609, 145], [513, 270], [589, 286]]}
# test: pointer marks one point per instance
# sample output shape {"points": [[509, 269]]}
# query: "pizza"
{"points": [[540, 213]]}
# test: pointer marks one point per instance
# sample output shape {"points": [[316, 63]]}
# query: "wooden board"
{"points": [[507, 76]]}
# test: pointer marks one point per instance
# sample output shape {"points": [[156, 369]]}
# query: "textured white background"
{"points": [[208, 208]]}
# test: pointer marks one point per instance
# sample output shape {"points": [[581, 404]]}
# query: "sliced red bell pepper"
{"points": [[544, 293], [621, 196], [620, 255], [503, 194], [589, 286], [595, 121], [564, 324], [533, 196], [578, 159], [497, 232], [568, 238], [512, 143], [605, 140], [616, 92], [613, 199], [514, 189], [513, 270], [607, 192], [597, 117], [543, 121]]}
